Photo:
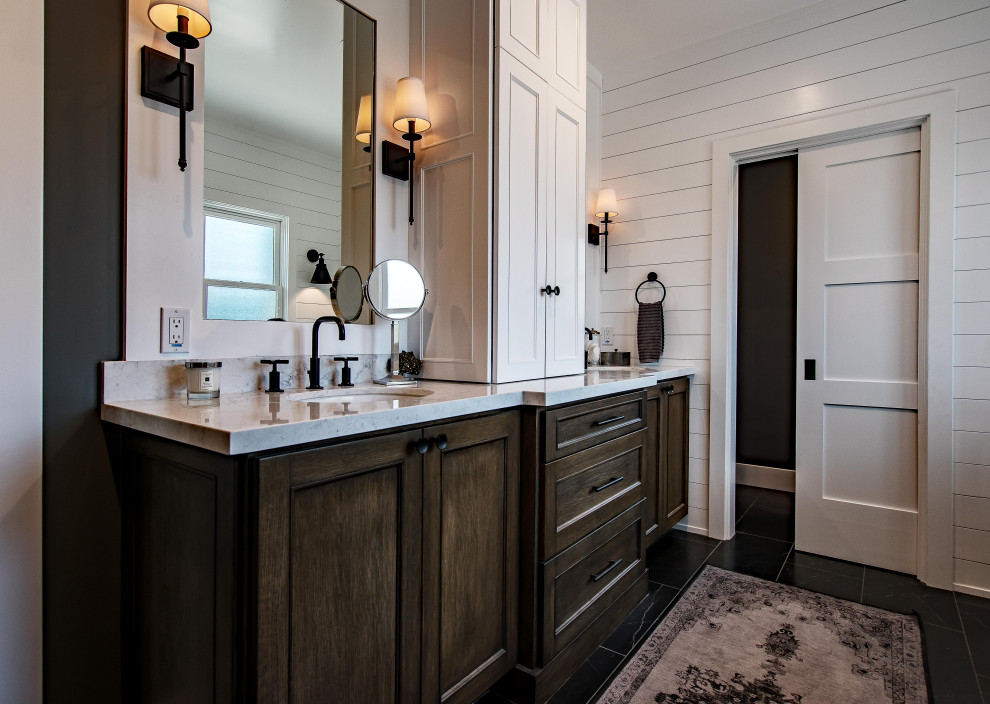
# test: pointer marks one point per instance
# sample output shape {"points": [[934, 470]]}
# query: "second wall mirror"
{"points": [[289, 120]]}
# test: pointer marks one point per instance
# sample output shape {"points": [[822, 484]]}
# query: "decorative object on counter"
{"points": [[413, 114], [395, 291], [615, 359], [345, 371], [591, 349], [314, 359], [409, 364], [203, 379], [649, 322], [606, 210], [776, 635], [274, 376], [184, 24]]}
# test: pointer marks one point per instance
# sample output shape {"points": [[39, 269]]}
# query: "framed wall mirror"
{"points": [[288, 165]]}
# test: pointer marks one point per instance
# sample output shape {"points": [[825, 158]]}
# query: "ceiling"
{"points": [[622, 31]]}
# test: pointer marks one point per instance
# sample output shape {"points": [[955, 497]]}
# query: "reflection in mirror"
{"points": [[289, 110], [395, 289], [347, 294]]}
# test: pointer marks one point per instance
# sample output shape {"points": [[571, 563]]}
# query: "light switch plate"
{"points": [[175, 330]]}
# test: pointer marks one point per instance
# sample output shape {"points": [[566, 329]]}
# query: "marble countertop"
{"points": [[255, 421]]}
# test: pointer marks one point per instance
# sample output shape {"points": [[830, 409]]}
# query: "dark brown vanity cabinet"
{"points": [[668, 406], [380, 570]]}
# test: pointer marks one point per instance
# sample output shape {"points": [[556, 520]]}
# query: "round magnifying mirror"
{"points": [[347, 294], [395, 290]]}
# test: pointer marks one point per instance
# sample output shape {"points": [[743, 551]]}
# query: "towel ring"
{"points": [[652, 278]]}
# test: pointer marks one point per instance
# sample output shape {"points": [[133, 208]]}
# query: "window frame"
{"points": [[280, 273]]}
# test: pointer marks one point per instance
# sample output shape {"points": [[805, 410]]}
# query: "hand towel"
{"points": [[649, 332]]}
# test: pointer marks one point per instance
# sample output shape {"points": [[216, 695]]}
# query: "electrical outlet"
{"points": [[607, 334], [175, 330]]}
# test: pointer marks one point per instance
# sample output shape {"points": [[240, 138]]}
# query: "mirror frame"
{"points": [[371, 303], [333, 294]]}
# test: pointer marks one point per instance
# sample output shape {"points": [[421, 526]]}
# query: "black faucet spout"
{"points": [[314, 359]]}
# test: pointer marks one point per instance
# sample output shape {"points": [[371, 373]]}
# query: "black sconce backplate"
{"points": [[395, 160], [594, 236], [160, 78]]}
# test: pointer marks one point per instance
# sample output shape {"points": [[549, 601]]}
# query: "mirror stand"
{"points": [[396, 378]]}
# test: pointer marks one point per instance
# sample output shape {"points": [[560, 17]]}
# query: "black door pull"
{"points": [[611, 566], [441, 441], [422, 446], [606, 485], [614, 419], [809, 370]]}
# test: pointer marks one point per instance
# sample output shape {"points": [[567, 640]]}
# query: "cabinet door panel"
{"points": [[338, 573], [470, 552], [674, 410], [524, 31], [521, 268], [568, 22], [565, 242]]}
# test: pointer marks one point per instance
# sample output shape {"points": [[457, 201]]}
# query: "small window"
{"points": [[243, 274]]}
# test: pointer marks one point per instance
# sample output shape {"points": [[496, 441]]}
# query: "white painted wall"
{"points": [[256, 171], [21, 151], [165, 215], [660, 118]]}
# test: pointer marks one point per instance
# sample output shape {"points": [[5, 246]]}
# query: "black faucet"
{"points": [[314, 360]]}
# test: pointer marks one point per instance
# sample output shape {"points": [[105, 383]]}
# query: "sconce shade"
{"points": [[322, 274], [606, 203], [362, 132], [164, 15], [410, 104]]}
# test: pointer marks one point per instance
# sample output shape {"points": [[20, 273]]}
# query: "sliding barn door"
{"points": [[857, 385]]}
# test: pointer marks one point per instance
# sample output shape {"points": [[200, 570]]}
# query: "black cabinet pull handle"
{"points": [[556, 290], [614, 419], [611, 566], [607, 484], [441, 442], [422, 446], [669, 389], [548, 289]]}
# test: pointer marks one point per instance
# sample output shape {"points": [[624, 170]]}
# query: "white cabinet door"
{"points": [[523, 29], [565, 243], [857, 410], [568, 57], [521, 229]]}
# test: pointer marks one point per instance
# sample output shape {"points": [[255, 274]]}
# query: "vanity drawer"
{"points": [[574, 428], [583, 581], [590, 487]]}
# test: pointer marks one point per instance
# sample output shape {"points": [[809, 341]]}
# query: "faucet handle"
{"points": [[345, 373], [274, 376]]}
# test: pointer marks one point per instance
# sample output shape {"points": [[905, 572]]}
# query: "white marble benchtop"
{"points": [[253, 421]]}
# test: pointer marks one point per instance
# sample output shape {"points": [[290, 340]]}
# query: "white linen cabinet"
{"points": [[501, 194]]}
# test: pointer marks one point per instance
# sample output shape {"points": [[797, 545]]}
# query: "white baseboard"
{"points": [[973, 591], [691, 529], [765, 477]]}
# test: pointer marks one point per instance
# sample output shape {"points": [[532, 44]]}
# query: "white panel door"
{"points": [[858, 294], [521, 229], [565, 241], [568, 58], [523, 29]]}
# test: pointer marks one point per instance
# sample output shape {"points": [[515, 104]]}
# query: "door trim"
{"points": [[936, 115]]}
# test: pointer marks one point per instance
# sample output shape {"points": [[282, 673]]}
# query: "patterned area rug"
{"points": [[734, 639]]}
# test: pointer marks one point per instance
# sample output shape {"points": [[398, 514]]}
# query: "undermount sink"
{"points": [[359, 395]]}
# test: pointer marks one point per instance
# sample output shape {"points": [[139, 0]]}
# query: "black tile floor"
{"points": [[955, 627]]}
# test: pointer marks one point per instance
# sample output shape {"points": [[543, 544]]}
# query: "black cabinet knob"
{"points": [[422, 446], [669, 389], [556, 290], [548, 289], [441, 442]]}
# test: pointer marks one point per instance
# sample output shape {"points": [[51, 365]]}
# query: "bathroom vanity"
{"points": [[421, 548]]}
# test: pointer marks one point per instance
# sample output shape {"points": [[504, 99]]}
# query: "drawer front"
{"points": [[578, 427], [587, 489], [587, 578]]}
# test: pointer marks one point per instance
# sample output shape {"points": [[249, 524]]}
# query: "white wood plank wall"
{"points": [[256, 171], [661, 116]]}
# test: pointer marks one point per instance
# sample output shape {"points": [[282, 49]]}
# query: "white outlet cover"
{"points": [[175, 331], [607, 335]]}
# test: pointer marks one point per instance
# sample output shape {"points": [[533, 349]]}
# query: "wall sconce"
{"points": [[362, 132], [412, 114], [322, 274], [184, 25], [605, 209]]}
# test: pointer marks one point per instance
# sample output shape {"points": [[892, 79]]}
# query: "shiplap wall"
{"points": [[256, 171], [660, 118]]}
